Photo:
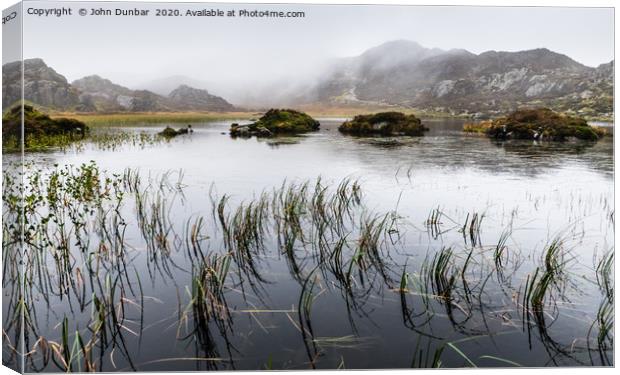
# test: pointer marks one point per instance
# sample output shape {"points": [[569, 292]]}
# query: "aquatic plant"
{"points": [[90, 235]]}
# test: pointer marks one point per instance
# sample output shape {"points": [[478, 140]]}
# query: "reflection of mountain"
{"points": [[43, 86], [405, 73]]}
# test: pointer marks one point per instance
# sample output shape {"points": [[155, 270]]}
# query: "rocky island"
{"points": [[385, 124], [169, 132], [536, 124], [276, 122]]}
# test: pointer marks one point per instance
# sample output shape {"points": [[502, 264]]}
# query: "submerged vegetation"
{"points": [[537, 124], [275, 122], [94, 241], [385, 124]]}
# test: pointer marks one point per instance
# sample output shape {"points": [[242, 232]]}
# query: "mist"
{"points": [[252, 61]]}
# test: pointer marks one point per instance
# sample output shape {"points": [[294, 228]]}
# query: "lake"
{"points": [[321, 251]]}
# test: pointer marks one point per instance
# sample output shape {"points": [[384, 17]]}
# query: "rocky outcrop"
{"points": [[276, 122], [103, 94], [537, 124], [42, 85], [385, 124], [189, 98], [407, 74], [108, 96]]}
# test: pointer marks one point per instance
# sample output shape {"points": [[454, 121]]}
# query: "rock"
{"points": [[42, 85], [169, 132], [385, 124], [537, 124], [276, 122], [263, 131]]}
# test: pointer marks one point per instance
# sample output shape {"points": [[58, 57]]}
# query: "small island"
{"points": [[384, 124], [536, 124], [40, 130], [169, 132], [275, 122]]}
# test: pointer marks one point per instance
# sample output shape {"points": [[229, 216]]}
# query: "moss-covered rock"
{"points": [[385, 124], [277, 121], [169, 132], [537, 124], [37, 123]]}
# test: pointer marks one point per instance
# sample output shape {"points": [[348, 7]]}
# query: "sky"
{"points": [[133, 50]]}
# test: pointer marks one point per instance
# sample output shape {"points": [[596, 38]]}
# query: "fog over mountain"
{"points": [[407, 74], [399, 73], [250, 60]]}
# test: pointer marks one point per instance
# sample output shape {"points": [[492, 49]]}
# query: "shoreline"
{"points": [[136, 118]]}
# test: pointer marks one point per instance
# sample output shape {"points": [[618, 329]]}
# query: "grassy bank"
{"points": [[97, 119]]}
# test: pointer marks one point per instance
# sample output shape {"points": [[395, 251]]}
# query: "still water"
{"points": [[527, 192]]}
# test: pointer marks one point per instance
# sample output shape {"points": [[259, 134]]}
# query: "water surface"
{"points": [[535, 191]]}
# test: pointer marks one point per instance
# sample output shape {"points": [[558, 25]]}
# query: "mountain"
{"points": [[45, 87], [398, 73], [108, 96], [42, 85], [189, 98], [407, 74], [163, 86]]}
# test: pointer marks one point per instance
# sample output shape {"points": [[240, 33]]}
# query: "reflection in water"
{"points": [[321, 251]]}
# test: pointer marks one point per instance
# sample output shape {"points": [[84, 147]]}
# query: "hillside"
{"points": [[407, 74], [395, 74], [188, 98], [44, 87]]}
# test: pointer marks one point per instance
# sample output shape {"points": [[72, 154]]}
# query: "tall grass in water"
{"points": [[471, 228], [544, 288], [604, 322], [538, 286], [208, 307], [304, 309], [79, 254]]}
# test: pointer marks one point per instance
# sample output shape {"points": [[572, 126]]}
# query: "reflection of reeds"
{"points": [[500, 252], [78, 253], [441, 273], [604, 322], [471, 228], [543, 279], [208, 307], [306, 299]]}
